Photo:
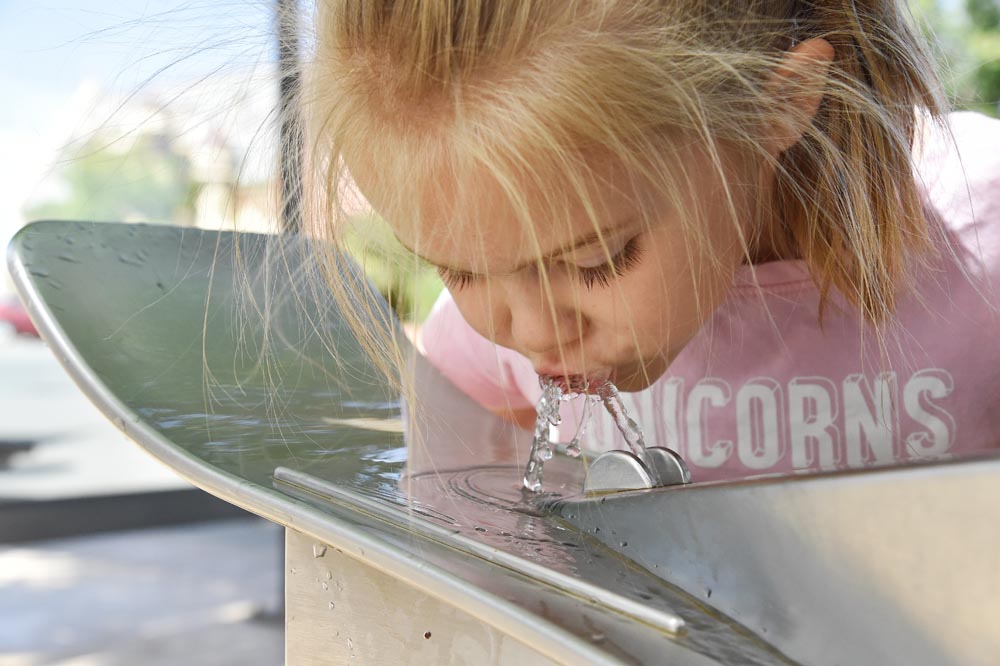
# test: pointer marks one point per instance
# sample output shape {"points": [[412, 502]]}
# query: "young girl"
{"points": [[753, 217]]}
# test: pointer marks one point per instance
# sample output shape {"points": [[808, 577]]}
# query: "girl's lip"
{"points": [[581, 382]]}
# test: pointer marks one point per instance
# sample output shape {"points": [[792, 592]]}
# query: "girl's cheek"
{"points": [[479, 309]]}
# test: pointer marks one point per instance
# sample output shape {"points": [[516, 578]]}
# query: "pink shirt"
{"points": [[762, 389]]}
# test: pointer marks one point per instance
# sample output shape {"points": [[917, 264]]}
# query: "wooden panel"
{"points": [[341, 611]]}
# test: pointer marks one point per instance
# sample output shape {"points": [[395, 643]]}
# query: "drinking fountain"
{"points": [[408, 536]]}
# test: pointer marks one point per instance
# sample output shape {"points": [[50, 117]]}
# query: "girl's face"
{"points": [[624, 320]]}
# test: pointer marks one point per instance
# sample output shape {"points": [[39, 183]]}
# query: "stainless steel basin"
{"points": [[408, 537]]}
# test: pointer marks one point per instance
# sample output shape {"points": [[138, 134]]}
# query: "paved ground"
{"points": [[201, 595], [198, 595], [79, 452]]}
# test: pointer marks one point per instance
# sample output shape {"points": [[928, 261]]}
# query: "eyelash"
{"points": [[455, 281], [590, 277], [619, 265]]}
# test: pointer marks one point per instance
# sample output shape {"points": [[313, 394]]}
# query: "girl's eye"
{"points": [[455, 280], [598, 274], [601, 275]]}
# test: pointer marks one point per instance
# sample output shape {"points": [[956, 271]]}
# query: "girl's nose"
{"points": [[540, 326]]}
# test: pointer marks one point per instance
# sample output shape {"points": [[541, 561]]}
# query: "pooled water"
{"points": [[548, 415]]}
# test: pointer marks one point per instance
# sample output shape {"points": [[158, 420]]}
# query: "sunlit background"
{"points": [[158, 111], [162, 111]]}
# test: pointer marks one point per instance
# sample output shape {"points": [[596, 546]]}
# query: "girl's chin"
{"points": [[632, 383], [638, 377]]}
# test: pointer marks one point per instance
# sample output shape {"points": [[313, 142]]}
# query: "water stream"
{"points": [[541, 446], [548, 415], [628, 427]]}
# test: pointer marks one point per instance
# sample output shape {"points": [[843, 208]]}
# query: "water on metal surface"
{"points": [[484, 511], [195, 349]]}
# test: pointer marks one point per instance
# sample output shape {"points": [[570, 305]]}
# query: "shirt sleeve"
{"points": [[493, 376], [959, 168]]}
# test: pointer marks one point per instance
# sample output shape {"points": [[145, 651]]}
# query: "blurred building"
{"points": [[208, 145]]}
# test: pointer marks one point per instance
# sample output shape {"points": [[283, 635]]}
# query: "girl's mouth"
{"points": [[579, 382]]}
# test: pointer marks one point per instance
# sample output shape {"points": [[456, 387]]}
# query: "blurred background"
{"points": [[163, 111], [158, 111]]}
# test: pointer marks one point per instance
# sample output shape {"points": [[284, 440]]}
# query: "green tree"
{"points": [[984, 44], [984, 14], [409, 285], [947, 31], [148, 181]]}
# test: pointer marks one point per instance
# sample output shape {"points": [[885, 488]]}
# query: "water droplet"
{"points": [[624, 544], [481, 530], [39, 272], [68, 258], [326, 586], [708, 593], [597, 637], [292, 570], [131, 260], [329, 575], [319, 550], [505, 533], [332, 605], [350, 644], [532, 485]]}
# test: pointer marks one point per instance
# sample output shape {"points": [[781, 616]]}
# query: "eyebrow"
{"points": [[589, 239]]}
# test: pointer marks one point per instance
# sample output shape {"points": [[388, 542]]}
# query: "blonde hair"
{"points": [[524, 89]]}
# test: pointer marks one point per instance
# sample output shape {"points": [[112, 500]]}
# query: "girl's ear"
{"points": [[797, 86]]}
